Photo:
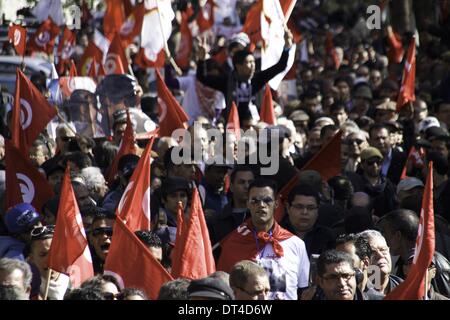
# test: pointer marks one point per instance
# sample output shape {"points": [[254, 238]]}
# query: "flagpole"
{"points": [[47, 285], [166, 47], [426, 286]]}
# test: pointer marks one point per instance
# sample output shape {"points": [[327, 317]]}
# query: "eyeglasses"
{"points": [[265, 200], [358, 141], [337, 276], [372, 162], [39, 232], [302, 207], [102, 230]]}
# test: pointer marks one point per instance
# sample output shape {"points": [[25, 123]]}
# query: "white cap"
{"points": [[408, 184], [428, 122]]}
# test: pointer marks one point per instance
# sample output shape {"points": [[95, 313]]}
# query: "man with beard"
{"points": [[262, 240], [356, 142], [368, 179]]}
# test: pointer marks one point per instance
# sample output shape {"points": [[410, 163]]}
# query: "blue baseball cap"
{"points": [[21, 218]]}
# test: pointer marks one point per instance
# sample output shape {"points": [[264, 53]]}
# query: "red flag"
{"points": [[17, 35], [132, 26], [283, 195], [73, 70], [24, 183], [252, 25], [90, 52], [205, 18], [130, 261], [171, 116], [113, 18], [415, 159], [395, 49], [195, 259], [134, 207], [183, 55], [141, 60], [413, 288], [267, 114], [44, 38], [30, 114], [66, 47], [331, 50], [126, 146], [69, 252], [233, 121], [409, 77], [116, 61], [327, 161], [287, 6], [127, 7]]}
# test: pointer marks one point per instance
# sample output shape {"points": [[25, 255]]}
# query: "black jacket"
{"points": [[396, 166], [383, 195], [242, 92]]}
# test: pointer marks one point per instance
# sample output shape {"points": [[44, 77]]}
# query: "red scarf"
{"points": [[241, 244]]}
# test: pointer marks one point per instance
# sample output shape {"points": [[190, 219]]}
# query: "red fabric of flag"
{"points": [[413, 288], [69, 252], [407, 88], [233, 123], [17, 35], [267, 114], [43, 39], [131, 262], [195, 259]]}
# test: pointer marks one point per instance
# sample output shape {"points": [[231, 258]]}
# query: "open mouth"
{"points": [[105, 247]]}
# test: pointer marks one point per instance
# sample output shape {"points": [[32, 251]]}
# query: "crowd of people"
{"points": [[347, 237]]}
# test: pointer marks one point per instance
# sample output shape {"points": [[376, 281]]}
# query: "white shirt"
{"points": [[287, 273], [191, 103]]}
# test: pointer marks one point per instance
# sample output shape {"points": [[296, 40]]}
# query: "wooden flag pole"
{"points": [[47, 285], [426, 285], [166, 47]]}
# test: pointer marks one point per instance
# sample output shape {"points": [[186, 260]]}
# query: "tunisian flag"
{"points": [[127, 146], [44, 38], [90, 52], [267, 114], [30, 114], [24, 183], [194, 254], [171, 115], [415, 159], [130, 261], [134, 206], [113, 18], [69, 252], [233, 121], [241, 244], [116, 61], [65, 49], [185, 48], [17, 35], [331, 51], [205, 17], [141, 60], [409, 77], [132, 26], [327, 161], [413, 288], [395, 49]]}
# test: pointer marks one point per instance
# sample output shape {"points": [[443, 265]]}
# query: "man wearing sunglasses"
{"points": [[99, 238], [263, 240], [368, 179], [39, 247]]}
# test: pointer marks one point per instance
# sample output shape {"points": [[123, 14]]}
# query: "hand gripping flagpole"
{"points": [[166, 47]]}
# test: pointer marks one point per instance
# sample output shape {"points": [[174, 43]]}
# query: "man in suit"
{"points": [[393, 159]]}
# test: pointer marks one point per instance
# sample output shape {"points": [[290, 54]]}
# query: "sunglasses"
{"points": [[372, 162], [358, 141], [265, 200], [102, 230], [43, 231]]}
